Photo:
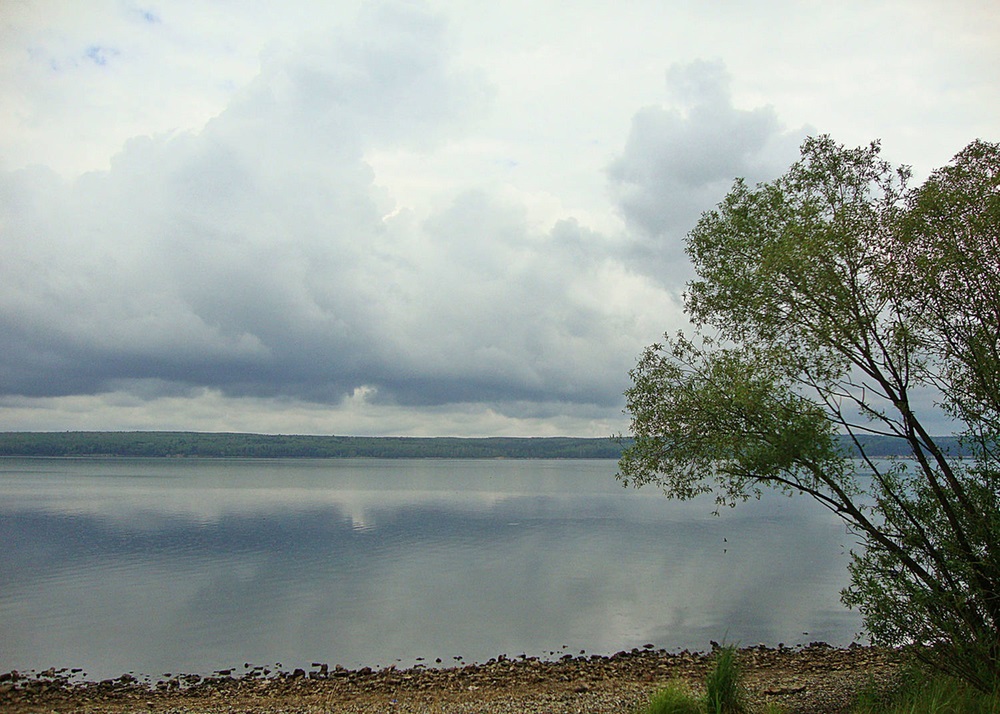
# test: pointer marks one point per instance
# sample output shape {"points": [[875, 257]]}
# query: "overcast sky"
{"points": [[442, 218]]}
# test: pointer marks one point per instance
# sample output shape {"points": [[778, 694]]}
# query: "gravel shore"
{"points": [[810, 680]]}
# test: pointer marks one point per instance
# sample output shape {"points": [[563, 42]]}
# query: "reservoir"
{"points": [[158, 566]]}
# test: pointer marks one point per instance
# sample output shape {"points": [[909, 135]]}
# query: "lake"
{"points": [[191, 565]]}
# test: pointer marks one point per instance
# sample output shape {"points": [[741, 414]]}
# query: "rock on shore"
{"points": [[808, 680]]}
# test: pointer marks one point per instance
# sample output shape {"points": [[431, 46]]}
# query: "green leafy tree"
{"points": [[838, 300]]}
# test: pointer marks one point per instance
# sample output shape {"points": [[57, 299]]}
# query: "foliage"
{"points": [[836, 300], [921, 693]]}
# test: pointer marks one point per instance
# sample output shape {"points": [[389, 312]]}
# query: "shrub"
{"points": [[675, 698]]}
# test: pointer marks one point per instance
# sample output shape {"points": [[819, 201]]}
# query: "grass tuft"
{"points": [[675, 698], [724, 694], [919, 692]]}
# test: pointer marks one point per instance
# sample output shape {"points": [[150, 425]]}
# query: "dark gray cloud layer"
{"points": [[681, 159], [261, 257]]}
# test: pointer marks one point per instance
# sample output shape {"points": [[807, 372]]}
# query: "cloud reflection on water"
{"points": [[199, 569]]}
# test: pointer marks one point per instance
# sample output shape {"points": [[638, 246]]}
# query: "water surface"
{"points": [[191, 565]]}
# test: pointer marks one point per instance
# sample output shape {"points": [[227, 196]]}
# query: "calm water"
{"points": [[157, 566]]}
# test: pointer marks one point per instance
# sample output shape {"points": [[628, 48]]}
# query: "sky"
{"points": [[411, 218]]}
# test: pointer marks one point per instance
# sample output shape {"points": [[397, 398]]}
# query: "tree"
{"points": [[836, 300]]}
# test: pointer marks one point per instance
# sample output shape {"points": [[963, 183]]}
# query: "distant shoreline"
{"points": [[189, 444], [172, 444]]}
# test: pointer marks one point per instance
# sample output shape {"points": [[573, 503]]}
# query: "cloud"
{"points": [[100, 55], [259, 258], [681, 158], [411, 221]]}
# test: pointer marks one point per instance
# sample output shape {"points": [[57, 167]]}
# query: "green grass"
{"points": [[675, 698], [723, 693], [921, 693], [722, 686], [916, 692]]}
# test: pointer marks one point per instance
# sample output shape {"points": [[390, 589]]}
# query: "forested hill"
{"points": [[172, 443], [216, 445]]}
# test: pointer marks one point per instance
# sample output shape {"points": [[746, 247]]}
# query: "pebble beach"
{"points": [[807, 680]]}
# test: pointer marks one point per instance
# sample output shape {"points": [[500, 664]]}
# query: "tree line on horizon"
{"points": [[163, 444], [233, 445]]}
